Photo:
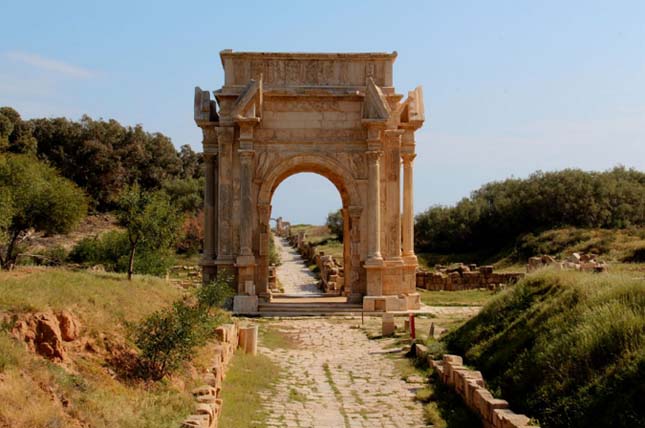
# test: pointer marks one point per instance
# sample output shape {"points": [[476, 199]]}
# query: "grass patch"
{"points": [[84, 391], [102, 301], [442, 407], [337, 394], [247, 377], [565, 347], [273, 337], [296, 396], [456, 298]]}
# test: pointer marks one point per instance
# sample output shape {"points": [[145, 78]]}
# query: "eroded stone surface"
{"points": [[336, 377]]}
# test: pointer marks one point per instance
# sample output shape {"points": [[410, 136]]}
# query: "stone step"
{"points": [[298, 309], [295, 306]]}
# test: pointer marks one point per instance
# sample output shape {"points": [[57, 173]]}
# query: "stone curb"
{"points": [[208, 402], [470, 386]]}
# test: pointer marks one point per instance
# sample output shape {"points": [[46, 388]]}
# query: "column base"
{"points": [[410, 260], [355, 298], [245, 304], [403, 302]]}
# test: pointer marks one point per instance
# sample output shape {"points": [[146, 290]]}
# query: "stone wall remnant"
{"points": [[208, 401], [462, 277]]}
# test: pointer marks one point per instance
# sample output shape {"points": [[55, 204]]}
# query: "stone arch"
{"points": [[344, 181], [325, 166]]}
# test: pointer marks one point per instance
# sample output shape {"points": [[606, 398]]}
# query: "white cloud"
{"points": [[48, 64]]}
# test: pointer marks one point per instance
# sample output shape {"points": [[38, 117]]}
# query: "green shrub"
{"points": [[168, 337], [274, 256], [55, 256], [112, 249], [565, 347], [216, 293]]}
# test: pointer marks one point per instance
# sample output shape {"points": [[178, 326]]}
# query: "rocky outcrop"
{"points": [[45, 332]]}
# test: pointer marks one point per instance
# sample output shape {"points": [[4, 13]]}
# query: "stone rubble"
{"points": [[576, 261]]}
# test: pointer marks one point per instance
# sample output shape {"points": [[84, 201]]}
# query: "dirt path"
{"points": [[293, 274], [335, 377]]}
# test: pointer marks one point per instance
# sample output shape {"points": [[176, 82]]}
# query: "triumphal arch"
{"points": [[334, 114]]}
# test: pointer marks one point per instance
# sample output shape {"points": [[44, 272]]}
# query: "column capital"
{"points": [[374, 155], [408, 158], [210, 136], [246, 154]]}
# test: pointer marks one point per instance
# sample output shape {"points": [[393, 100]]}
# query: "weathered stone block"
{"points": [[245, 304]]}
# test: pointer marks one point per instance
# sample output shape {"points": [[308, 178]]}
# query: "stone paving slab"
{"points": [[293, 273], [336, 377]]}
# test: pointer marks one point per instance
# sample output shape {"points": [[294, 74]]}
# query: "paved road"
{"points": [[335, 377], [293, 274]]}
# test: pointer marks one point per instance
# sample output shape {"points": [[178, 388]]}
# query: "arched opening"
{"points": [[347, 195], [310, 254]]}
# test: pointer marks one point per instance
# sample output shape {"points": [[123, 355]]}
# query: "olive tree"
{"points": [[149, 218], [34, 196]]}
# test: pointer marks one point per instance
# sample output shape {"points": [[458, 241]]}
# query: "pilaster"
{"points": [[409, 257]]}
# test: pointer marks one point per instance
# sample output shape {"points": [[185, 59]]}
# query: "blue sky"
{"points": [[510, 86]]}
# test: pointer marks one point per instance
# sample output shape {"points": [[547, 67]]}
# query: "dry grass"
{"points": [[247, 377], [83, 391]]}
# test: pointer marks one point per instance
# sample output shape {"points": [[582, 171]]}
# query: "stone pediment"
{"points": [[249, 104], [375, 106]]}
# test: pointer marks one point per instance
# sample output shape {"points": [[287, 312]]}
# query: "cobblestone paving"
{"points": [[293, 274], [336, 377]]}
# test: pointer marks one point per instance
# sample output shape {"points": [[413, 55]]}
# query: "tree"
{"points": [[34, 196], [20, 139], [335, 223], [6, 128], [191, 162], [149, 218]]}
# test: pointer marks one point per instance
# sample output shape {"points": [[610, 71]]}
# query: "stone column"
{"points": [[210, 204], [353, 268], [373, 208], [225, 196], [391, 172], [408, 205], [246, 202]]}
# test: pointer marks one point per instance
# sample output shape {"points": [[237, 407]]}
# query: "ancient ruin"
{"points": [[334, 114]]}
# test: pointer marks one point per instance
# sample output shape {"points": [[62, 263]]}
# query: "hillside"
{"points": [[622, 248], [86, 388], [495, 218], [567, 348]]}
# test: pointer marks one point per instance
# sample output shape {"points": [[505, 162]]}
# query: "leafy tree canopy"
{"points": [[34, 196], [497, 213]]}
